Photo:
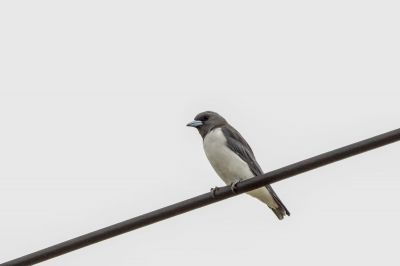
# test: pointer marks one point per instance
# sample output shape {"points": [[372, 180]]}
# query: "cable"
{"points": [[206, 199]]}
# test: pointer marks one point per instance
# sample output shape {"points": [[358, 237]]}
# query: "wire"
{"points": [[206, 199]]}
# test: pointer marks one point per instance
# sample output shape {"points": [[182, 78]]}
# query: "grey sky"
{"points": [[95, 96]]}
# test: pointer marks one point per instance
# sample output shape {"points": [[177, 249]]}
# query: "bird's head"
{"points": [[207, 121]]}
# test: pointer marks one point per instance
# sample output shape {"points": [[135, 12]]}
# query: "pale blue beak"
{"points": [[195, 123]]}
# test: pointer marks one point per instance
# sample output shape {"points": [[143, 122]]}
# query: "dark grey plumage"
{"points": [[238, 144], [210, 120]]}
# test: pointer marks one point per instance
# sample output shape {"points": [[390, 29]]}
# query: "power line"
{"points": [[206, 199]]}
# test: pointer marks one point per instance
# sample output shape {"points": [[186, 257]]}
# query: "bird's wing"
{"points": [[238, 145]]}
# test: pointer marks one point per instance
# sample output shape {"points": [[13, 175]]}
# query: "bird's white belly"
{"points": [[228, 165]]}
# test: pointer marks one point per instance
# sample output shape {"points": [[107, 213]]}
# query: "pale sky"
{"points": [[95, 96]]}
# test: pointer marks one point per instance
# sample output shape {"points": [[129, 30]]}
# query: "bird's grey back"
{"points": [[239, 145]]}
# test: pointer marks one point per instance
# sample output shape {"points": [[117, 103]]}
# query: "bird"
{"points": [[232, 158]]}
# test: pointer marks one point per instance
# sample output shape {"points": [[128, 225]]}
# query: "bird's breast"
{"points": [[228, 165]]}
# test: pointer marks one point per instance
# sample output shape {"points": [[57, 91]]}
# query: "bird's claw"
{"points": [[213, 190], [234, 187]]}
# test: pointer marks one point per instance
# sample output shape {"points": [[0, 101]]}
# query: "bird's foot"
{"points": [[213, 190], [234, 187]]}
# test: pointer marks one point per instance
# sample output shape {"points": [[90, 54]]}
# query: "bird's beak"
{"points": [[195, 123]]}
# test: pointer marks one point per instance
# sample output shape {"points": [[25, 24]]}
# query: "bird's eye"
{"points": [[205, 118]]}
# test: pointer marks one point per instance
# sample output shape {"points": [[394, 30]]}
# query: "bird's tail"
{"points": [[281, 210]]}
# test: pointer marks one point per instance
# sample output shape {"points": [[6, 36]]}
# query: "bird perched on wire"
{"points": [[232, 158]]}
